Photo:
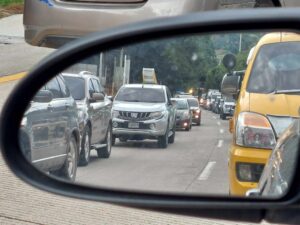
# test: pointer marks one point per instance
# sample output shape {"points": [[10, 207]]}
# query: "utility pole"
{"points": [[240, 45]]}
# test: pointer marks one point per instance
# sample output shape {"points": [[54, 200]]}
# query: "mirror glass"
{"points": [[151, 117]]}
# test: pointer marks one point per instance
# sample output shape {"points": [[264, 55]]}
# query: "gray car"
{"points": [[94, 114], [227, 108], [49, 134], [144, 111], [183, 114], [54, 23]]}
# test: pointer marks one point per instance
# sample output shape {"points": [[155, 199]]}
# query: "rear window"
{"points": [[76, 86], [151, 95], [193, 102], [276, 68], [182, 104]]}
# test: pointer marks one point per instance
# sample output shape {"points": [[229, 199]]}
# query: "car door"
{"points": [[105, 108], [95, 114]]}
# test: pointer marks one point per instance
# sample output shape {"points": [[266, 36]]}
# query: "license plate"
{"points": [[133, 125]]}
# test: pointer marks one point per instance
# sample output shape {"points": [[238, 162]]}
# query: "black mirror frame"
{"points": [[234, 208]]}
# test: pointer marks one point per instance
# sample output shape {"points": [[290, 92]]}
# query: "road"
{"points": [[195, 164]]}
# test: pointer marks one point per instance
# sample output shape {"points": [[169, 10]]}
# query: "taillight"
{"points": [[254, 130]]}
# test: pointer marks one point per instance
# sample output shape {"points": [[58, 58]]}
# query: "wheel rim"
{"points": [[71, 160], [87, 146], [109, 140]]}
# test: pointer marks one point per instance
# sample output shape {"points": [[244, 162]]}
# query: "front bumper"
{"points": [[147, 129], [182, 123], [240, 154]]}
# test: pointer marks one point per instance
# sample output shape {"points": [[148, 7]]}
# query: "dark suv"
{"points": [[49, 134], [94, 114]]}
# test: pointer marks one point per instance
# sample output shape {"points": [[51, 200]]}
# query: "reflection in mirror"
{"points": [[151, 117]]}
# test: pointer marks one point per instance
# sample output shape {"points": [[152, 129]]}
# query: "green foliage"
{"points": [[10, 2]]}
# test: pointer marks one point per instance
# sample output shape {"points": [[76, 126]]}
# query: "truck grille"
{"points": [[134, 116]]}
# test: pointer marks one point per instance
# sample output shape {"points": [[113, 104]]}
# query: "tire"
{"points": [[187, 128], [113, 140], [223, 116], [69, 169], [84, 156], [163, 140], [25, 146], [104, 152], [172, 138], [199, 122]]}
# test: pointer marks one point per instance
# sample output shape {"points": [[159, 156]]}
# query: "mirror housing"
{"points": [[43, 96], [230, 85], [97, 97]]}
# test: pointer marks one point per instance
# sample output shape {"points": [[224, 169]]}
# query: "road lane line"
{"points": [[221, 131], [219, 123], [207, 171], [220, 143], [12, 77]]}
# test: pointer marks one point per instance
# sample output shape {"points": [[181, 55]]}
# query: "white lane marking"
{"points": [[220, 143], [207, 171], [221, 131], [219, 123]]}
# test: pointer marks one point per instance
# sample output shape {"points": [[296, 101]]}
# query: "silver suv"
{"points": [[144, 111], [94, 114]]}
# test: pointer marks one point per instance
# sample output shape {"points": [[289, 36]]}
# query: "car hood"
{"points": [[280, 109], [138, 106]]}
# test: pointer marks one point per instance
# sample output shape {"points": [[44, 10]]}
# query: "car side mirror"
{"points": [[230, 85], [43, 96], [97, 97]]}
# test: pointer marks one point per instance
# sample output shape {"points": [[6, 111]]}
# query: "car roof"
{"points": [[277, 37], [82, 74], [157, 86]]}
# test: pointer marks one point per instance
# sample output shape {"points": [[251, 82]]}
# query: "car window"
{"points": [[64, 89], [96, 85], [76, 86], [91, 87], [193, 102], [53, 86], [276, 68], [182, 104], [150, 95]]}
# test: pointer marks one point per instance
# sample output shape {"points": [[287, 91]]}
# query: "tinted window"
{"points": [[64, 89], [141, 95], [53, 86], [96, 85], [76, 86], [193, 102], [276, 68], [182, 104]]}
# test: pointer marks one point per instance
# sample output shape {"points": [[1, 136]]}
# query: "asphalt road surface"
{"points": [[196, 163]]}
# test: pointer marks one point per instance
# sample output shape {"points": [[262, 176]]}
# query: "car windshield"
{"points": [[150, 95], [193, 102], [76, 86], [181, 104], [276, 68]]}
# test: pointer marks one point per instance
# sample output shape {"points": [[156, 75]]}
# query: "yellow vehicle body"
{"points": [[263, 104]]}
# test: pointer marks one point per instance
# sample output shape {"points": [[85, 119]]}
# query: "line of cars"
{"points": [[68, 117], [215, 102]]}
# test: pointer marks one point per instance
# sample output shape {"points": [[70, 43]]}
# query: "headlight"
{"points": [[24, 122], [249, 172], [157, 115], [115, 114], [254, 130], [198, 111]]}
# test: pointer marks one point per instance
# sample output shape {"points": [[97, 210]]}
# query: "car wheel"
{"points": [[172, 138], [187, 128], [104, 152], [163, 140], [69, 169], [84, 157], [25, 146], [113, 140]]}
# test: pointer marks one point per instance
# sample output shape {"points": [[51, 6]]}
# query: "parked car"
{"points": [[267, 101], [195, 109], [279, 170], [227, 108], [49, 133], [144, 111], [183, 114], [94, 113]]}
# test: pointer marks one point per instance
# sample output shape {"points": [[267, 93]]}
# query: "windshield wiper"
{"points": [[287, 91]]}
